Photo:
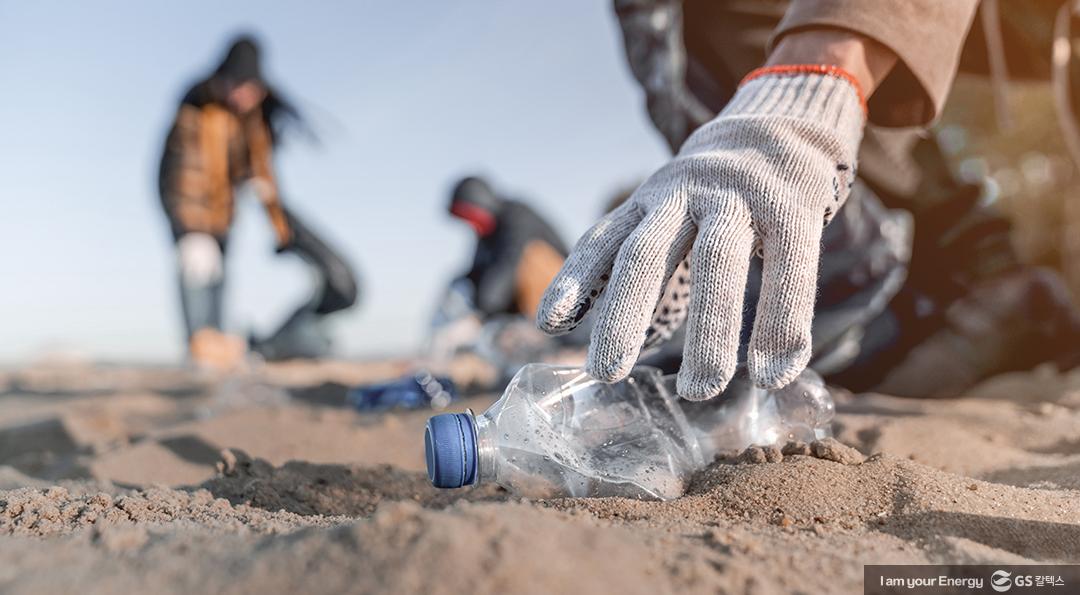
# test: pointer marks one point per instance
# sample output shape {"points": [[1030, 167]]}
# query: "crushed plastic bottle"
{"points": [[416, 391], [746, 415], [558, 432]]}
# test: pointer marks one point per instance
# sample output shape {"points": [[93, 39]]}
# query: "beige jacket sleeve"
{"points": [[927, 36]]}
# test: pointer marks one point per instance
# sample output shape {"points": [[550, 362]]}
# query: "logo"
{"points": [[1000, 581]]}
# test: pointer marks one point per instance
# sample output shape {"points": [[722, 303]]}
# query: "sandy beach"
{"points": [[162, 480]]}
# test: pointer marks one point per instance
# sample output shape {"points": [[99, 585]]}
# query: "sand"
{"points": [[159, 480]]}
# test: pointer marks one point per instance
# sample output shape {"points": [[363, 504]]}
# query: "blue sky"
{"points": [[407, 96]]}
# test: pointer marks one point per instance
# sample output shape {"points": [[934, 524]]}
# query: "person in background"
{"points": [[775, 112], [517, 251], [223, 136]]}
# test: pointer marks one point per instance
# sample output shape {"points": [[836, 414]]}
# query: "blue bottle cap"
{"points": [[450, 448]]}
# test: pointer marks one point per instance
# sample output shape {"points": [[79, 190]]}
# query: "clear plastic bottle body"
{"points": [[558, 432], [746, 415]]}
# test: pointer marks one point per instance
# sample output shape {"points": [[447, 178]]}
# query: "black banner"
{"points": [[971, 578]]}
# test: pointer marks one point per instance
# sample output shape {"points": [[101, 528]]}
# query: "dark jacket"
{"points": [[515, 262]]}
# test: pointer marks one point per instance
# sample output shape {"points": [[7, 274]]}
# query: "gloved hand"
{"points": [[765, 175], [200, 258]]}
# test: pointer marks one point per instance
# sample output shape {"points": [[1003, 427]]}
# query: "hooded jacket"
{"points": [[517, 251], [210, 150]]}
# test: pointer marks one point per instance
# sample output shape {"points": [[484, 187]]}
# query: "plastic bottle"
{"points": [[417, 391], [557, 432]]}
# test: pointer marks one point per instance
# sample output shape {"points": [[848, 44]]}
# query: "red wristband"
{"points": [[797, 69]]}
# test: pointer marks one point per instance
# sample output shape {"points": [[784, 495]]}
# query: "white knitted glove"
{"points": [[765, 175], [200, 258]]}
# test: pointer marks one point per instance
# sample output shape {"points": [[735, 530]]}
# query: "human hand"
{"points": [[200, 258], [765, 175]]}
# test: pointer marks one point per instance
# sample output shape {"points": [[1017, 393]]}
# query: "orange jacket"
{"points": [[208, 152]]}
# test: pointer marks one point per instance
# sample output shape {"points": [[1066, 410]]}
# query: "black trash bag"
{"points": [[338, 289], [302, 335]]}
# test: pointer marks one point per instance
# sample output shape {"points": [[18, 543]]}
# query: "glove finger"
{"points": [[583, 276], [672, 307], [643, 264], [721, 261], [780, 344]]}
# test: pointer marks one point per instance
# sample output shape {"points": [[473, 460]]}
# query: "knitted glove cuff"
{"points": [[828, 95]]}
